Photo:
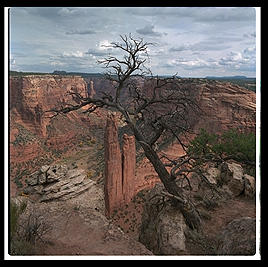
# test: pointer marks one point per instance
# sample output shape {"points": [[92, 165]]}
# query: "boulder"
{"points": [[250, 187], [236, 184], [55, 173], [231, 178], [238, 237], [225, 174], [32, 180]]}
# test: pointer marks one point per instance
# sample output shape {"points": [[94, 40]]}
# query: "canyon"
{"points": [[95, 142]]}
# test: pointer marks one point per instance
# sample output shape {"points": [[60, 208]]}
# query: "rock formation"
{"points": [[113, 167], [35, 139], [128, 167], [57, 182], [92, 91], [119, 185], [163, 229], [163, 226]]}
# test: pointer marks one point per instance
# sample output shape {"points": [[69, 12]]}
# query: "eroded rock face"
{"points": [[163, 229], [120, 182], [232, 176], [250, 186], [36, 139]]}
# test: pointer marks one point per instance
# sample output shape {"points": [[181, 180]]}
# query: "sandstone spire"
{"points": [[113, 167], [128, 165], [92, 91], [119, 185]]}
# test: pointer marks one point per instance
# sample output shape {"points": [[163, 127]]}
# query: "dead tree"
{"points": [[155, 110]]}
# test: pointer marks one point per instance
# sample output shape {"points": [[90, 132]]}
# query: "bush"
{"points": [[231, 144]]}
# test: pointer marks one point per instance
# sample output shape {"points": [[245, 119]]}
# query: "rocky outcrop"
{"points": [[232, 176], [238, 237], [78, 227], [91, 90], [57, 182], [37, 140], [250, 186]]}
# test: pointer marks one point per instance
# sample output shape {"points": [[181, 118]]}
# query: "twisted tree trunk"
{"points": [[177, 195]]}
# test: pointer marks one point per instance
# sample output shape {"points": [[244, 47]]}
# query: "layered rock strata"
{"points": [[224, 106], [128, 167], [57, 182]]}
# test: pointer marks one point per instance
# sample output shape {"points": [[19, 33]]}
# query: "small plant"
{"points": [[25, 229]]}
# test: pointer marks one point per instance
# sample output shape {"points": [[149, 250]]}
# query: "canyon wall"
{"points": [[224, 106], [31, 95]]}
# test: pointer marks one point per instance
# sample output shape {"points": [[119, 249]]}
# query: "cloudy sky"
{"points": [[189, 41]]}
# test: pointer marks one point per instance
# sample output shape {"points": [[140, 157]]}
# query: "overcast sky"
{"points": [[189, 41]]}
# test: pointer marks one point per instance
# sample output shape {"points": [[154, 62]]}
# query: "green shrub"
{"points": [[231, 144]]}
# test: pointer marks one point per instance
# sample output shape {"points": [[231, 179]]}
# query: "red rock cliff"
{"points": [[224, 106], [31, 95]]}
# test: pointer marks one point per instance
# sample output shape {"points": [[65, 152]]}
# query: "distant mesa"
{"points": [[227, 77], [59, 72]]}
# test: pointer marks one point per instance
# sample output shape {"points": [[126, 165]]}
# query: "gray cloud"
{"points": [[149, 30], [98, 53], [198, 13], [249, 35], [81, 32], [200, 46]]}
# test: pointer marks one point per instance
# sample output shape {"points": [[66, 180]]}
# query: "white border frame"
{"points": [[257, 256]]}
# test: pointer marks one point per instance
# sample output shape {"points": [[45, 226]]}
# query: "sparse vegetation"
{"points": [[25, 229], [231, 144]]}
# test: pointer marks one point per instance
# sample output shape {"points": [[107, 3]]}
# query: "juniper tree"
{"points": [[155, 110]]}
